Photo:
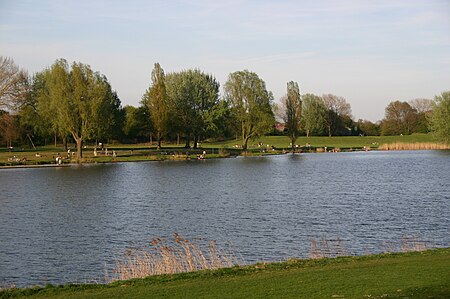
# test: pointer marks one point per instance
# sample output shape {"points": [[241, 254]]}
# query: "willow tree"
{"points": [[292, 111], [251, 103], [76, 97], [156, 100]]}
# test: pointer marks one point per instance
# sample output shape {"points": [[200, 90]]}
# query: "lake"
{"points": [[60, 225]]}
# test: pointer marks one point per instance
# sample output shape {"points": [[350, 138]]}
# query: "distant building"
{"points": [[280, 127]]}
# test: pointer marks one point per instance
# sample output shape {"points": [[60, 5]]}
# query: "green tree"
{"points": [[77, 101], [292, 112], [337, 112], [157, 103], [368, 128], [313, 115], [423, 108], [193, 96], [440, 117], [251, 103], [400, 118], [136, 125]]}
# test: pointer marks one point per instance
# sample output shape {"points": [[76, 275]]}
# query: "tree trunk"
{"points": [[79, 142], [159, 141], [329, 131], [188, 141], [195, 141], [244, 146], [178, 139], [293, 144], [65, 143], [55, 140]]}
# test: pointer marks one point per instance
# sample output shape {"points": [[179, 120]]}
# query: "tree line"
{"points": [[71, 102]]}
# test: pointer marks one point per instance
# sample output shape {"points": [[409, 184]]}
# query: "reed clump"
{"points": [[399, 146], [324, 248], [408, 243], [164, 256]]}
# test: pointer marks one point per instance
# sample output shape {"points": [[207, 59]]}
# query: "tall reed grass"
{"points": [[406, 244], [331, 248], [324, 248], [397, 146], [164, 256]]}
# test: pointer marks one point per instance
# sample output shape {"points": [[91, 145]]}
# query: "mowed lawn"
{"points": [[148, 152], [410, 275], [331, 142]]}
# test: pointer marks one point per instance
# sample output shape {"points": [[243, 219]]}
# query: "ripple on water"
{"points": [[69, 222]]}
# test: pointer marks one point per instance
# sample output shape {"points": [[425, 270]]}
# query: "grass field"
{"points": [[148, 152], [346, 142], [402, 275]]}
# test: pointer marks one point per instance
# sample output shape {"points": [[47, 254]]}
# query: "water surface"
{"points": [[60, 225]]}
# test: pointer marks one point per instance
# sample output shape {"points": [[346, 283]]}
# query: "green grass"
{"points": [[331, 142], [408, 275], [147, 152]]}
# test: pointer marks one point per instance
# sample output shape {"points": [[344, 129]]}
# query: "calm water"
{"points": [[61, 225]]}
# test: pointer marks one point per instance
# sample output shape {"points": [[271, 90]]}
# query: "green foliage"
{"points": [[157, 102], [313, 116], [440, 117], [368, 128], [77, 101], [136, 125], [400, 118], [338, 112], [193, 97], [251, 104], [293, 111]]}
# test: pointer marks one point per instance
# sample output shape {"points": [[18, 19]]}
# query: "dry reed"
{"points": [[164, 256], [398, 146], [412, 243], [406, 244], [327, 248]]}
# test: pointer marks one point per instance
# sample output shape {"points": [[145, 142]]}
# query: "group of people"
{"points": [[105, 152]]}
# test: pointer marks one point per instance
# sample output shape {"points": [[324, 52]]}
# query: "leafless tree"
{"points": [[13, 84], [421, 105]]}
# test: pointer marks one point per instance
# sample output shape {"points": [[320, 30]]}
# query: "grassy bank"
{"points": [[262, 146], [406, 275]]}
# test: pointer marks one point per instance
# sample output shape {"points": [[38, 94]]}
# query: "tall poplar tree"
{"points": [[156, 101], [292, 111]]}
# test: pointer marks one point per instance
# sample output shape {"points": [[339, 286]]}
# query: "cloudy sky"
{"points": [[369, 52]]}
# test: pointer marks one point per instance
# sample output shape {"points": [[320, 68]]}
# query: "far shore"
{"points": [[267, 145], [193, 157]]}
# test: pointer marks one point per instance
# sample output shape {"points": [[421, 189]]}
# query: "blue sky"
{"points": [[369, 52]]}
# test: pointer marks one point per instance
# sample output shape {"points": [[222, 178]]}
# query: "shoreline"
{"points": [[411, 274], [156, 158]]}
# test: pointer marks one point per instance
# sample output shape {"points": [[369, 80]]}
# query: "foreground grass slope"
{"points": [[409, 275]]}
